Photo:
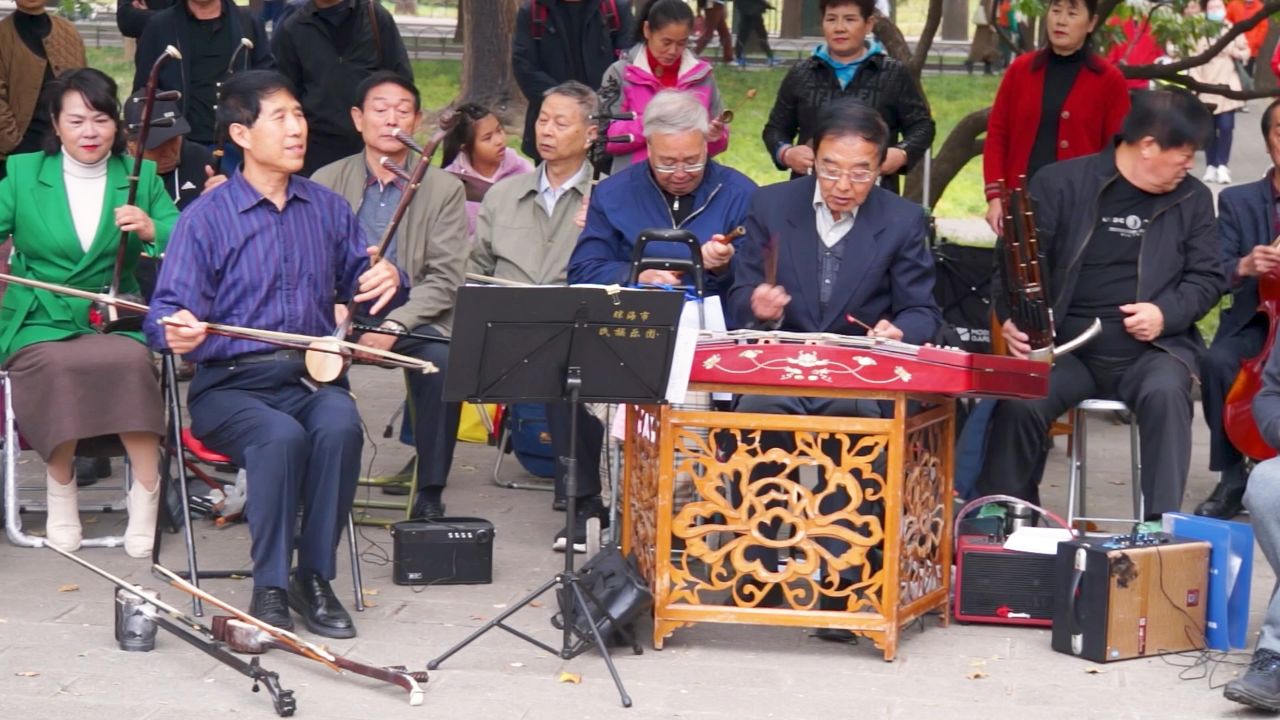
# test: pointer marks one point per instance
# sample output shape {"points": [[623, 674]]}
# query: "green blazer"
{"points": [[34, 208]]}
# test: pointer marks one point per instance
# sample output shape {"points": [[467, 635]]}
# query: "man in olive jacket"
{"points": [[430, 245], [1127, 236]]}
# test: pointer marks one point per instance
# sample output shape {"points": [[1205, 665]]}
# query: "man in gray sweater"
{"points": [[526, 231], [430, 245]]}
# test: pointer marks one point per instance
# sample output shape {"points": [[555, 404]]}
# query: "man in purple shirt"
{"points": [[276, 252]]}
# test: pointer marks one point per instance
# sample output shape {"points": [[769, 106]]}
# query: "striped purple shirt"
{"points": [[234, 258]]}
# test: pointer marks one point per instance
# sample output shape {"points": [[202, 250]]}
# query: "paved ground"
{"points": [[58, 658]]}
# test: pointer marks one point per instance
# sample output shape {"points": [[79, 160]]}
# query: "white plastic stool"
{"points": [[1079, 454]]}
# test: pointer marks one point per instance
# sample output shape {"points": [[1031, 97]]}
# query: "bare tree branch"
{"points": [[895, 45], [933, 19], [1169, 71], [1223, 90]]}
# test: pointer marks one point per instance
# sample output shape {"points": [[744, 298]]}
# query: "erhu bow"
{"points": [[1029, 305], [294, 341], [221, 149], [325, 360], [144, 129]]}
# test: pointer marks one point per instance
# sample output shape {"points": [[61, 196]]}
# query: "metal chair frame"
{"points": [[1076, 489], [14, 506]]}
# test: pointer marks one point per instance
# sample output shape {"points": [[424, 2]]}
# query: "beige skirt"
{"points": [[88, 388]]}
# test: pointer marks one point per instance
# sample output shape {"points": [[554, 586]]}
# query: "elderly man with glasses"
{"points": [[831, 252], [678, 187]]}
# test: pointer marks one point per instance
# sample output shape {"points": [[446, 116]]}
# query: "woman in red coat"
{"points": [[1061, 102]]}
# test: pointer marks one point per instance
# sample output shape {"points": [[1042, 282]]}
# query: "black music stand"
{"points": [[578, 344]]}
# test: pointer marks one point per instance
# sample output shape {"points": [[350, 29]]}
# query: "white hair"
{"points": [[671, 112]]}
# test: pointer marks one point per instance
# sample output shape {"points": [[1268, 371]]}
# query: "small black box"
{"points": [[445, 551]]}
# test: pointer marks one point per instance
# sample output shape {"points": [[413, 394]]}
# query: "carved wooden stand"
{"points": [[881, 517]]}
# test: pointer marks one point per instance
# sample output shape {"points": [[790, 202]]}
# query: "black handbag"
{"points": [[616, 596]]}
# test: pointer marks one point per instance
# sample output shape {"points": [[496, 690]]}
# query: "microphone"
{"points": [[622, 139], [614, 116]]}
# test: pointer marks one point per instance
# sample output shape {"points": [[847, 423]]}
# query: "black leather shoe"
{"points": [[1260, 686], [427, 510], [271, 606], [89, 470], [1223, 503], [313, 599]]}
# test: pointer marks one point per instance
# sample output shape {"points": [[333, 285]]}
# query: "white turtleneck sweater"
{"points": [[86, 192]]}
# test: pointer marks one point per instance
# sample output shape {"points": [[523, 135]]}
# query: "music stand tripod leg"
{"points": [[568, 578]]}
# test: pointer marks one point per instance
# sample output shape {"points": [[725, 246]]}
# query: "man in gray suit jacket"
{"points": [[430, 245]]}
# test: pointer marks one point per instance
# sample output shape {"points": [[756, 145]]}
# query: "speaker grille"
{"points": [[1023, 583]]}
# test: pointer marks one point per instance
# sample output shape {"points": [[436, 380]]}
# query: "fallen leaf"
{"points": [[977, 663], [568, 677], [751, 93], [371, 591], [478, 617], [517, 664], [27, 673], [976, 675], [3, 621], [370, 603], [70, 587], [500, 606], [1094, 671], [536, 603]]}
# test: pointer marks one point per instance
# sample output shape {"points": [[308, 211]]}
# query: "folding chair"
{"points": [[19, 498], [181, 443]]}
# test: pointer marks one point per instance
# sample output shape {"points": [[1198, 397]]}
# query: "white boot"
{"points": [[140, 533], [62, 528]]}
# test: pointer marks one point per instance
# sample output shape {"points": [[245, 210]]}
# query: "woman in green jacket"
{"points": [[75, 390]]}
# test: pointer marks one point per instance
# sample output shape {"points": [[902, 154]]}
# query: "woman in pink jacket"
{"points": [[660, 60], [476, 151]]}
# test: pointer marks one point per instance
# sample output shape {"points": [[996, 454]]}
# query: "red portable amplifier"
{"points": [[1006, 587]]}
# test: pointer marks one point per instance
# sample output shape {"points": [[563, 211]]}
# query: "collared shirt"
{"points": [[235, 258], [377, 207], [831, 230], [549, 196]]}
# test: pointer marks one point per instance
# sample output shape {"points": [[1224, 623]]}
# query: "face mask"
{"points": [[1216, 15]]}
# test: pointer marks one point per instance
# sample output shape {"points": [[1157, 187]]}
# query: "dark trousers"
{"points": [[1218, 369], [590, 442], [831, 503], [298, 447], [714, 23], [434, 421], [1218, 151], [748, 26], [1155, 385]]}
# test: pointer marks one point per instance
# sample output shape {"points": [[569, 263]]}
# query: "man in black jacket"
{"points": [[1126, 236], [207, 33], [849, 65], [327, 48], [132, 15], [561, 40]]}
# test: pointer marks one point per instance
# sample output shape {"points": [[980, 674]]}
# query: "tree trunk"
{"points": [[895, 46], [487, 77], [406, 7], [961, 146], [460, 25], [792, 19], [955, 20]]}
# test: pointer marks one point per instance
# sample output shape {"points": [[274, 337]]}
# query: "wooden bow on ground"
{"points": [[144, 129], [288, 639], [294, 341], [245, 638], [325, 358]]}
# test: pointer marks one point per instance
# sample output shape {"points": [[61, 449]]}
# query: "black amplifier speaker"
{"points": [[445, 551]]}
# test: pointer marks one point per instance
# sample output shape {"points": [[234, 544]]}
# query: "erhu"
{"points": [[323, 363], [111, 311], [1029, 305], [221, 149]]}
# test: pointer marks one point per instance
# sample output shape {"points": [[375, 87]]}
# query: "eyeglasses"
{"points": [[853, 176], [680, 167]]}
